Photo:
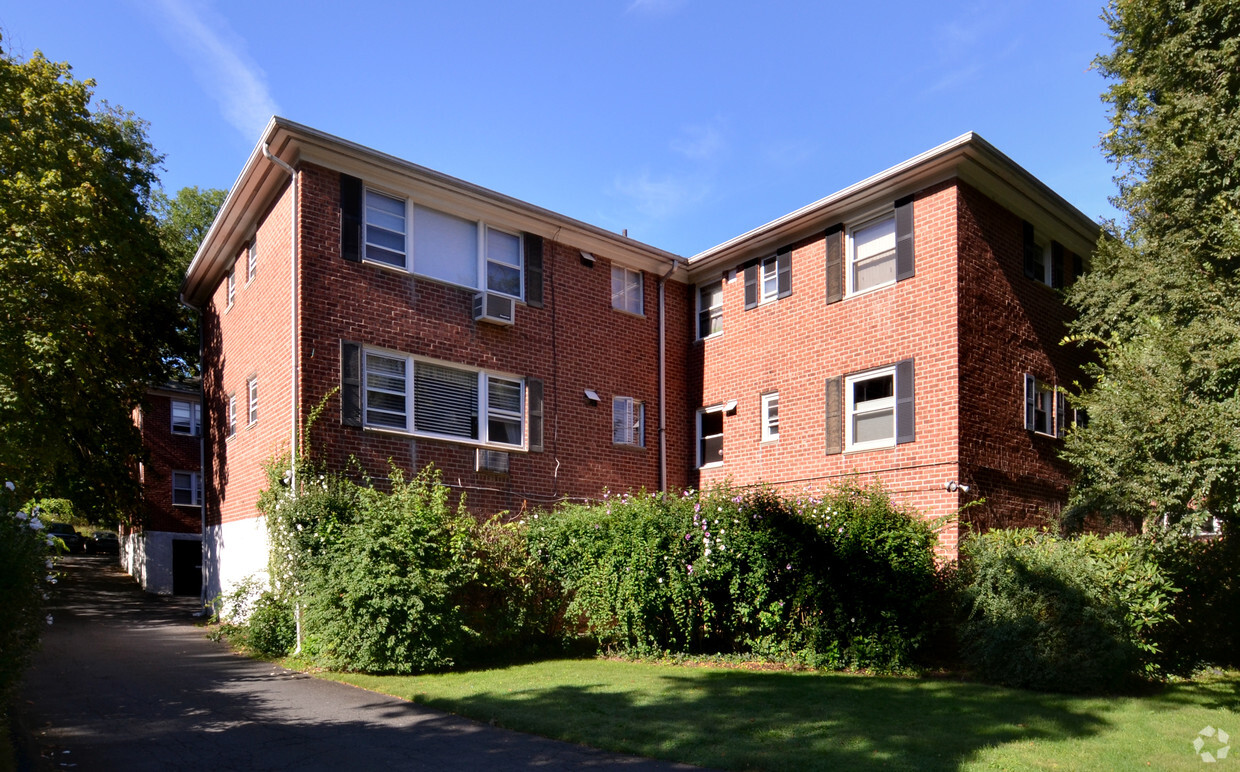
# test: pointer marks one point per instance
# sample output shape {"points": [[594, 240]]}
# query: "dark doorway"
{"points": [[186, 567]]}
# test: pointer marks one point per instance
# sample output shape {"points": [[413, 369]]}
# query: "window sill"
{"points": [[715, 465], [870, 448], [434, 280], [188, 506], [628, 446], [869, 290], [633, 314], [712, 336], [463, 441]]}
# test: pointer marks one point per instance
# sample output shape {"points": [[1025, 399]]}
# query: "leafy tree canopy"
{"points": [[1162, 303], [88, 294], [183, 223]]}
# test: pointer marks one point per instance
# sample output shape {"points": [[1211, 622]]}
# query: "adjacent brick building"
{"points": [[163, 550], [904, 329]]}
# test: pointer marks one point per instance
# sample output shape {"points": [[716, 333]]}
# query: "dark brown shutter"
{"points": [[350, 218], [350, 383], [1078, 266], [1057, 258], [534, 399], [1031, 251], [533, 270], [906, 425], [751, 286], [835, 263], [835, 415], [905, 268], [783, 272]]}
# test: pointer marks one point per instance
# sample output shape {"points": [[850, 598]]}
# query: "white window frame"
{"points": [[701, 438], [850, 267], [485, 411], [1043, 247], [232, 286], [770, 416], [1041, 397], [195, 488], [630, 297], [768, 280], [232, 414], [628, 422], [409, 253], [870, 406], [251, 259], [195, 417], [251, 390], [713, 312]]}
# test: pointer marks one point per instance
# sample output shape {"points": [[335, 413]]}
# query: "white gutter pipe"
{"points": [[663, 376], [292, 333]]}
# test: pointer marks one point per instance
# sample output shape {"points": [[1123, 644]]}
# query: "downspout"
{"points": [[663, 375], [202, 459], [292, 332]]}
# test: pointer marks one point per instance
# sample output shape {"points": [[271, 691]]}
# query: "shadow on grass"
{"points": [[747, 720]]}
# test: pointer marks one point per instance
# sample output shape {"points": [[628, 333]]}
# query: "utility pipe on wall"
{"points": [[663, 375]]}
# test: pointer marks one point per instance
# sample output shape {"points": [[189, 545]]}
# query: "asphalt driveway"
{"points": [[125, 680]]}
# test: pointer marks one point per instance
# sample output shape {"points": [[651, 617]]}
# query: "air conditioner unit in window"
{"points": [[496, 309], [492, 461]]}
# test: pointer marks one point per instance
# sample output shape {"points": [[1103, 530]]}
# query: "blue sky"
{"points": [[686, 122]]}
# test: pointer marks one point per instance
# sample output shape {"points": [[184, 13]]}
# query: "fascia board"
{"points": [[968, 157]]}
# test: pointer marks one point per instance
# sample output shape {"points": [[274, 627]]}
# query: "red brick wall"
{"points": [[576, 342], [1009, 325], [167, 452], [794, 344], [249, 339]]}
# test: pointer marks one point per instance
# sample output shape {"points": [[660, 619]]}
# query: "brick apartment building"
{"points": [[164, 551], [904, 329]]}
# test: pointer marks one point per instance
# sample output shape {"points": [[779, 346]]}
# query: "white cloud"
{"points": [[789, 153], [699, 143], [660, 197], [223, 69]]}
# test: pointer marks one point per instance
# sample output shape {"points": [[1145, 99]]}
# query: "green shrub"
{"points": [[1045, 612], [837, 581], [1205, 630], [381, 598], [271, 629], [24, 564]]}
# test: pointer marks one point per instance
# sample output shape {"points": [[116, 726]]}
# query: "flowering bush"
{"points": [[842, 580], [25, 572]]}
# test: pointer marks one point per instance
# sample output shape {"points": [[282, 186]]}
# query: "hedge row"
{"points": [[400, 582]]}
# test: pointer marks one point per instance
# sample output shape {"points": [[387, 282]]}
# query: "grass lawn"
{"points": [[739, 719]]}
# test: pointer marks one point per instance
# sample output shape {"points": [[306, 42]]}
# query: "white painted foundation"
{"points": [[147, 557], [231, 553]]}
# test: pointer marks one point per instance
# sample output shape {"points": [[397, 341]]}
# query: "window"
{"points": [[872, 255], [628, 422], [878, 408], [232, 414], [1046, 410], [436, 245], [768, 279], [386, 405], [770, 416], [186, 417], [626, 290], [445, 247], [252, 388], [437, 400], [710, 436], [385, 229], [1040, 260], [187, 489], [251, 260], [710, 309], [232, 286], [503, 263], [1046, 261], [870, 409]]}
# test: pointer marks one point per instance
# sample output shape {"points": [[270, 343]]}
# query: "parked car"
{"points": [[74, 542], [103, 542]]}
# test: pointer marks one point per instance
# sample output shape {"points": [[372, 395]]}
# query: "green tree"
{"points": [[88, 295], [183, 223], [1162, 303]]}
